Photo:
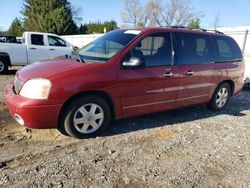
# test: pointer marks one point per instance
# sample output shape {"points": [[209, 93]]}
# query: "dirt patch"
{"points": [[191, 147]]}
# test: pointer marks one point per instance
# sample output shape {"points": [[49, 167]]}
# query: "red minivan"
{"points": [[126, 73]]}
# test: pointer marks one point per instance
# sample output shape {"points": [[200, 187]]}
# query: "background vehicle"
{"points": [[36, 47], [19, 40], [127, 73], [7, 39]]}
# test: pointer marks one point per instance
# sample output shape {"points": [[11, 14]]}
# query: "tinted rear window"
{"points": [[193, 48], [37, 39], [227, 49]]}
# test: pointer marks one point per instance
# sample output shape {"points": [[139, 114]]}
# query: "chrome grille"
{"points": [[17, 84]]}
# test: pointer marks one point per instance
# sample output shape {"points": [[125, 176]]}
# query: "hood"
{"points": [[49, 68]]}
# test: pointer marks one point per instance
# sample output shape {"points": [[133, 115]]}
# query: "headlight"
{"points": [[36, 89]]}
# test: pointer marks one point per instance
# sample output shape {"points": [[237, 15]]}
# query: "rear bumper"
{"points": [[34, 115]]}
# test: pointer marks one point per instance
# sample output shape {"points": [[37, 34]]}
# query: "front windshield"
{"points": [[105, 47]]}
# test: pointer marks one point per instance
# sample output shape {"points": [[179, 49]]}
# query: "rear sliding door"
{"points": [[194, 56]]}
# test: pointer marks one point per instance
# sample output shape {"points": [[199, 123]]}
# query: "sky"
{"points": [[231, 12]]}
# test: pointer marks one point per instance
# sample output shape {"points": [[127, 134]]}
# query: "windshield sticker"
{"points": [[134, 32]]}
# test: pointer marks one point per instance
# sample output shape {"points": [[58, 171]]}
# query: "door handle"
{"points": [[190, 73], [33, 48], [51, 49], [169, 74]]}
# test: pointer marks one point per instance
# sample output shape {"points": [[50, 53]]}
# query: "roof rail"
{"points": [[199, 29], [209, 30], [216, 31], [179, 27]]}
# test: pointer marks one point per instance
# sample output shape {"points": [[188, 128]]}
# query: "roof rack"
{"points": [[209, 30], [200, 29]]}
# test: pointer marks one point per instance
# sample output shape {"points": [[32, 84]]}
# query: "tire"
{"points": [[85, 117], [248, 85], [3, 66], [220, 97]]}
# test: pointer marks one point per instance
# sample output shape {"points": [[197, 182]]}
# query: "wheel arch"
{"points": [[230, 83], [212, 103], [101, 94]]}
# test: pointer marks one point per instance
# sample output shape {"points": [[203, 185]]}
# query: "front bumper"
{"points": [[34, 113]]}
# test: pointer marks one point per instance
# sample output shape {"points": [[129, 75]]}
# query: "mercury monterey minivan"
{"points": [[126, 73]]}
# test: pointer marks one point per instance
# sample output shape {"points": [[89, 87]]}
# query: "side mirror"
{"points": [[134, 62], [75, 48]]}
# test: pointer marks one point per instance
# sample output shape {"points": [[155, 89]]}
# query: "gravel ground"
{"points": [[191, 147]]}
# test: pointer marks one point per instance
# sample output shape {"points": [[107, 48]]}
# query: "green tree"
{"points": [[53, 16], [194, 24], [82, 29], [99, 27], [94, 27], [110, 25], [16, 28]]}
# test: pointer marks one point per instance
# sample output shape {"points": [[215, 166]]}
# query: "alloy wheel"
{"points": [[222, 97], [88, 118]]}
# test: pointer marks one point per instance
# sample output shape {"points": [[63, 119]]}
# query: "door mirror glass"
{"points": [[134, 62], [75, 48]]}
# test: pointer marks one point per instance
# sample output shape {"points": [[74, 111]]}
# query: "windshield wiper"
{"points": [[78, 57]]}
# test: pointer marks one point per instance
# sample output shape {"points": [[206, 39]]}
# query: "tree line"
{"points": [[54, 16], [58, 16]]}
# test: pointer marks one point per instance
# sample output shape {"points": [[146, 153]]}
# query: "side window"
{"points": [[37, 40], [151, 45], [55, 41], [155, 50], [227, 49], [193, 49]]}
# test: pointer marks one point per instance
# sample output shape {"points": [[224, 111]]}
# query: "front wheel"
{"points": [[85, 117], [221, 97], [3, 66]]}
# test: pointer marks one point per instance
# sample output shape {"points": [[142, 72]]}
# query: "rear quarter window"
{"points": [[226, 49]]}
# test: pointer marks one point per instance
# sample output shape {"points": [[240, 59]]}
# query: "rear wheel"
{"points": [[221, 97], [86, 117], [3, 66]]}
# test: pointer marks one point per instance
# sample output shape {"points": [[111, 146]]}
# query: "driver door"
{"points": [[153, 87]]}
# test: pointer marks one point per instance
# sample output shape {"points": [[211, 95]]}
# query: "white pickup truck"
{"points": [[36, 47]]}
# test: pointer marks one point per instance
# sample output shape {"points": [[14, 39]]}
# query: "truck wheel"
{"points": [[3, 66], [85, 117], [220, 98]]}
